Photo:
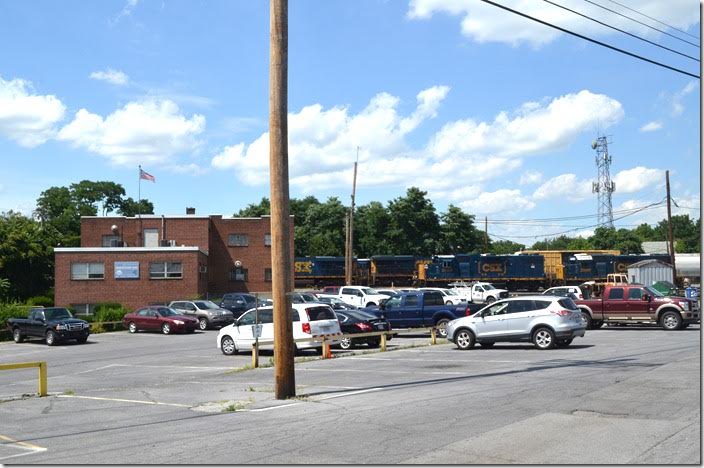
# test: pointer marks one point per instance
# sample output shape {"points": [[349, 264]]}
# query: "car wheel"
{"points": [[464, 339], [227, 344], [544, 338], [448, 303], [564, 343], [671, 320], [132, 327], [17, 335], [597, 324], [371, 304], [489, 300], [488, 344], [442, 327], [82, 340], [586, 320], [165, 328], [203, 323], [346, 343], [50, 338]]}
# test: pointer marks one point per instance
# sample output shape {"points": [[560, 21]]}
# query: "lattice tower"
{"points": [[603, 186]]}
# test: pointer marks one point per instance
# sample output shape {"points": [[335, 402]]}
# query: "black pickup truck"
{"points": [[416, 309], [54, 324]]}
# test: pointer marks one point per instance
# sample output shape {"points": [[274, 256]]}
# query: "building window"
{"points": [[111, 241], [238, 240], [238, 274], [267, 240], [83, 309], [165, 270], [267, 274], [86, 271]]}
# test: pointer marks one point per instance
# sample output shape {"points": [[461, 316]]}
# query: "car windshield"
{"points": [[369, 291], [450, 292], [167, 312], [568, 303], [54, 314], [654, 292], [488, 287], [248, 298], [206, 305]]}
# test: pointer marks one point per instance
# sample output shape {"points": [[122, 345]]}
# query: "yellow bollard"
{"points": [[383, 342], [255, 355], [42, 379], [326, 350], [432, 336]]}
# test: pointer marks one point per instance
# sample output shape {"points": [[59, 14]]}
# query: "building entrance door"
{"points": [[151, 237]]}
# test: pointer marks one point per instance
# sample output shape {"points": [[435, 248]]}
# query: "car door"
{"points": [[615, 304], [407, 314], [636, 307], [520, 314], [492, 322], [36, 323], [477, 293], [245, 331], [349, 295]]}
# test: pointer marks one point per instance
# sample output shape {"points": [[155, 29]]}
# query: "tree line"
{"points": [[406, 225]]}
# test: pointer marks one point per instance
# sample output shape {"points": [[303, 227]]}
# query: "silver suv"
{"points": [[208, 313], [547, 321]]}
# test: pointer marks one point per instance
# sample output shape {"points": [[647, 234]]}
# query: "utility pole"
{"points": [[671, 241], [486, 235], [281, 268], [349, 254]]}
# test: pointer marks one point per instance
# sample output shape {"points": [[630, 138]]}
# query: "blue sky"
{"points": [[477, 106]]}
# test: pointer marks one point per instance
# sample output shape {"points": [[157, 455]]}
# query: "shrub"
{"points": [[109, 312], [12, 310], [45, 301]]}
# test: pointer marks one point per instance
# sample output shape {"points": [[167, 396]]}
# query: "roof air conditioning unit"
{"points": [[116, 243], [172, 243], [164, 243]]}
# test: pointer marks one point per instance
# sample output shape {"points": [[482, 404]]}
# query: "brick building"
{"points": [[156, 259]]}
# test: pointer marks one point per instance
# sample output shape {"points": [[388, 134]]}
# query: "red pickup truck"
{"points": [[635, 303]]}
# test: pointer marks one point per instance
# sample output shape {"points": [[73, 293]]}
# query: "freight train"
{"points": [[527, 270]]}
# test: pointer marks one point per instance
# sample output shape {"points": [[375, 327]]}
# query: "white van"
{"points": [[309, 319]]}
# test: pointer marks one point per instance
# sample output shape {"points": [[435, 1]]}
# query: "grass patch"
{"points": [[69, 392]]}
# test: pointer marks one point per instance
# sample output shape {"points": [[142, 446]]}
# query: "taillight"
{"points": [[363, 326], [562, 313], [467, 312], [306, 327]]}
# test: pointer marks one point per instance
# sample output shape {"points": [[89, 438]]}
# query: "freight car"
{"points": [[396, 270], [328, 271], [513, 272]]}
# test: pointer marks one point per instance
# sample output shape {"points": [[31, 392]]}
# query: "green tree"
{"points": [[255, 210], [130, 208], [557, 243], [501, 247], [457, 232], [323, 229], [414, 228], [371, 227]]}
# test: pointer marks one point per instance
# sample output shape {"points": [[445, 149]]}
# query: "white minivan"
{"points": [[309, 319]]}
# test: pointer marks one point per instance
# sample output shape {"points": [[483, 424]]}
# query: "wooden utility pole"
{"points": [[486, 235], [670, 240], [349, 248], [348, 280], [281, 268]]}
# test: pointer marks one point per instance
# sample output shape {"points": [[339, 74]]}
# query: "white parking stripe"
{"points": [[351, 393], [433, 360], [268, 408], [22, 446], [145, 402], [381, 371]]}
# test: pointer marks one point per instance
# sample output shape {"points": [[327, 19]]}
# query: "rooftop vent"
{"points": [[190, 211]]}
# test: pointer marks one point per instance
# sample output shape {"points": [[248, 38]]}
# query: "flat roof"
{"points": [[127, 249]]}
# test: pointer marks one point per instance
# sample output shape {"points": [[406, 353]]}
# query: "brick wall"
{"points": [[188, 231], [131, 293]]}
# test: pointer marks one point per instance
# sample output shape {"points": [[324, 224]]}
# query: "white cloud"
{"points": [[531, 129], [482, 22], [115, 77], [27, 118], [651, 126], [530, 177], [638, 178], [565, 186], [504, 201], [147, 132], [190, 169], [678, 97], [125, 12]]}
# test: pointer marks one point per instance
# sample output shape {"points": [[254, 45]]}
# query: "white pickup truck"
{"points": [[361, 296], [479, 292]]}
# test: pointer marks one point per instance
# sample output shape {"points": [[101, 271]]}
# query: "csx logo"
{"points": [[621, 267], [493, 268], [303, 267]]}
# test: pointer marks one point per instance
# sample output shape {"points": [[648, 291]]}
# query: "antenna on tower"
{"points": [[603, 186]]}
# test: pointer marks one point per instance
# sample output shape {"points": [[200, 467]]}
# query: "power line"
{"points": [[570, 218], [654, 19], [603, 44], [621, 30], [640, 22]]}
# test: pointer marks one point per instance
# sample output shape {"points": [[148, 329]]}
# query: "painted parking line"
{"points": [[25, 447], [269, 408], [434, 360], [369, 371], [124, 400], [366, 390]]}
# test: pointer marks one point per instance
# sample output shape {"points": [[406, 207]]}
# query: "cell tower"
{"points": [[603, 186]]}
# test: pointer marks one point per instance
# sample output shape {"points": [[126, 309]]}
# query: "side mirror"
{"points": [[646, 297], [382, 306]]}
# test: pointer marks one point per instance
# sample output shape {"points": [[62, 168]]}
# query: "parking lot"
{"points": [[618, 395]]}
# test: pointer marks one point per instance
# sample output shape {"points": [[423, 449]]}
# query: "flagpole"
{"points": [[139, 204]]}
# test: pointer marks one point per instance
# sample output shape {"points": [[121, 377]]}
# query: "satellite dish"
{"points": [[238, 263]]}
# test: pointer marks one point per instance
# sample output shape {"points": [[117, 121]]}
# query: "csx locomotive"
{"points": [[527, 270]]}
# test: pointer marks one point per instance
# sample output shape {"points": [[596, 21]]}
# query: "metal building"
{"points": [[648, 272]]}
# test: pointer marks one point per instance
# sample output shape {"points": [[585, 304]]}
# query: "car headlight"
{"points": [[61, 326], [86, 325], [684, 305], [178, 322]]}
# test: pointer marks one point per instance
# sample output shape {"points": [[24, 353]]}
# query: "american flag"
{"points": [[146, 176]]}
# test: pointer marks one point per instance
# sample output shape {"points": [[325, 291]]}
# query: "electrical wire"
{"points": [[640, 22], [570, 218], [603, 44], [654, 19], [621, 30]]}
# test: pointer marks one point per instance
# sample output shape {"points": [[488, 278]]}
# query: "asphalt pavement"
{"points": [[618, 395]]}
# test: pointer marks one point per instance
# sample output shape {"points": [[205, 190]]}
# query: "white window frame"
{"points": [[92, 271]]}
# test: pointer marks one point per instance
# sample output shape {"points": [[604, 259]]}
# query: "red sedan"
{"points": [[158, 318]]}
